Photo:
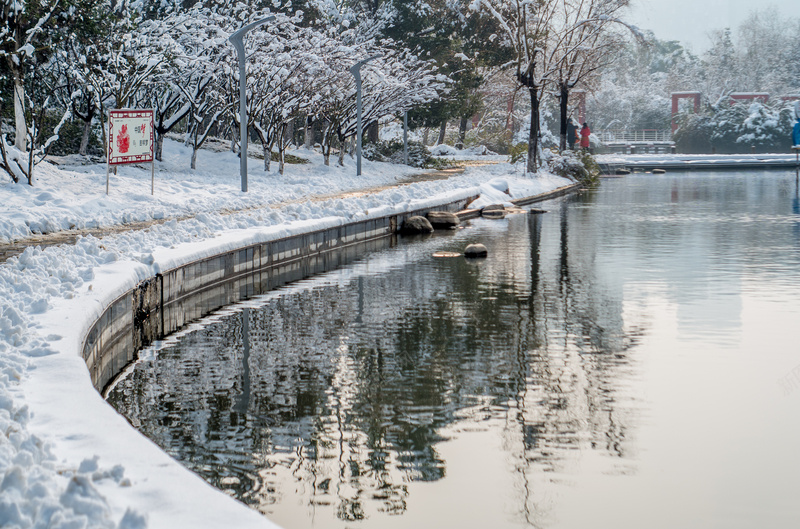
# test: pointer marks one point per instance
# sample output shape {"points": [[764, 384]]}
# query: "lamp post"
{"points": [[356, 71], [237, 39]]}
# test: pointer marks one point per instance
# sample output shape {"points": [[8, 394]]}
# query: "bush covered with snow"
{"points": [[444, 150], [393, 151], [479, 150], [476, 150], [578, 166], [70, 136]]}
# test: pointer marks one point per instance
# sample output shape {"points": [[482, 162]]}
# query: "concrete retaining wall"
{"points": [[165, 303]]}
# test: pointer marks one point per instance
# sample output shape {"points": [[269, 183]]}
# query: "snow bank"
{"points": [[67, 459], [444, 150]]}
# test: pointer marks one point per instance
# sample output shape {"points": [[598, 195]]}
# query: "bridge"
{"points": [[610, 164], [655, 141], [650, 141]]}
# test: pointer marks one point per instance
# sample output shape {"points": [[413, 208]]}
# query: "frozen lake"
{"points": [[630, 359]]}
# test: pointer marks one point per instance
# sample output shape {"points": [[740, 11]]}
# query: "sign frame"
{"points": [[122, 149]]}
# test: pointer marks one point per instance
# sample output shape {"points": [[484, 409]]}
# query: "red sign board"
{"points": [[130, 136]]}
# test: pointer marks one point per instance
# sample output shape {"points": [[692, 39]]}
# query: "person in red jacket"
{"points": [[585, 133]]}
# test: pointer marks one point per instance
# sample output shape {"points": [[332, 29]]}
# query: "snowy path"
{"points": [[10, 249]]}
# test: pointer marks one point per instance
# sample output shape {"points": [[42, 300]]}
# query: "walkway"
{"points": [[9, 250]]}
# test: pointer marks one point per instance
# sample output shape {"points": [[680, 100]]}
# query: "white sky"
{"points": [[690, 21]]}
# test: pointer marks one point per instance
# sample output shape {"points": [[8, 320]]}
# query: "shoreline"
{"points": [[85, 439]]}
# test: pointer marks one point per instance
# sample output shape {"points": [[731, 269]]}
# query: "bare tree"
{"points": [[526, 27], [582, 45], [558, 43]]}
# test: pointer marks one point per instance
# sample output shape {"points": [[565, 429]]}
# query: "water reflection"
{"points": [[405, 381]]}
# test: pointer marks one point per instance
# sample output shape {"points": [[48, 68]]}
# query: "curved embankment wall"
{"points": [[164, 303]]}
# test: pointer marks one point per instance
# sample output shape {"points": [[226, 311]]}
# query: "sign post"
{"points": [[131, 139]]}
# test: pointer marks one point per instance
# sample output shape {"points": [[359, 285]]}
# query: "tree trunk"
{"points": [[287, 135], [533, 135], [373, 132], [296, 132], [267, 155], [191, 137], [159, 146], [87, 128], [342, 150], [287, 132], [20, 141], [425, 135], [442, 130], [326, 142], [309, 134], [462, 132], [564, 110]]}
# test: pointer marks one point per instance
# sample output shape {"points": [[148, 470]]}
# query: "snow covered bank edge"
{"points": [[124, 476], [66, 458]]}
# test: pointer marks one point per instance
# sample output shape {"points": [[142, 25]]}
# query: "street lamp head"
{"points": [[237, 37], [357, 66]]}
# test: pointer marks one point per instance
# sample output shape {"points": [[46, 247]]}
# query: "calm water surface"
{"points": [[630, 359]]}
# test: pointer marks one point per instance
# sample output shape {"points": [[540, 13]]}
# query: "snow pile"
{"points": [[444, 150], [479, 150], [502, 190], [35, 490], [67, 460]]}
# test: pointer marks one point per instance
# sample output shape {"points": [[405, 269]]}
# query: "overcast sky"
{"points": [[690, 21]]}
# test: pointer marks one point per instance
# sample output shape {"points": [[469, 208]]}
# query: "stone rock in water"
{"points": [[476, 250], [415, 225], [493, 207], [494, 212], [443, 220]]}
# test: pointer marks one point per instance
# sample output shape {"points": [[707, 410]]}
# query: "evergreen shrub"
{"points": [[736, 128], [578, 166], [392, 151]]}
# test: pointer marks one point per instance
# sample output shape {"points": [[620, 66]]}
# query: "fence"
{"points": [[633, 136]]}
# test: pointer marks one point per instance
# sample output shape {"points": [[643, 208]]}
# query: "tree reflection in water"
{"points": [[341, 392]]}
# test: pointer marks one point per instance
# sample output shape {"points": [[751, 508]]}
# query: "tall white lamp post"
{"points": [[237, 39], [356, 71]]}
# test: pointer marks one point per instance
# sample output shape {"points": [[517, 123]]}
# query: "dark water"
{"points": [[630, 359]]}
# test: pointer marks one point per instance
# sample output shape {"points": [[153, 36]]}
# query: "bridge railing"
{"points": [[629, 136]]}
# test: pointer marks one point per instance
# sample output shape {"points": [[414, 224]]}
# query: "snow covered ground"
{"points": [[67, 460]]}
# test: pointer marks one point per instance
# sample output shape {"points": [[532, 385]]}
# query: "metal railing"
{"points": [[629, 136]]}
